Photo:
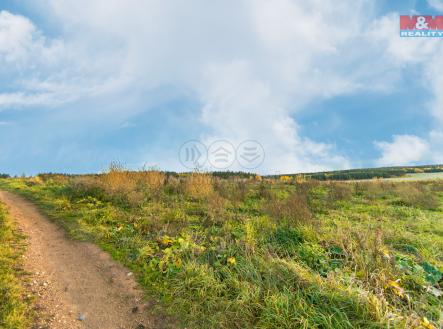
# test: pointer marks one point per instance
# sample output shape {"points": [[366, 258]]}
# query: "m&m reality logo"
{"points": [[421, 26]]}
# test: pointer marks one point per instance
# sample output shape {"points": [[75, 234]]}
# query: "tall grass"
{"points": [[198, 185]]}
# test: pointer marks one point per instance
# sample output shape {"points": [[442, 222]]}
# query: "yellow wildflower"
{"points": [[231, 261], [396, 288], [426, 324]]}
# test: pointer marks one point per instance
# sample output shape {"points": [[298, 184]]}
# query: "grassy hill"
{"points": [[261, 252]]}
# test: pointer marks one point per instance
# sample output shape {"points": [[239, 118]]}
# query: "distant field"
{"points": [[419, 177]]}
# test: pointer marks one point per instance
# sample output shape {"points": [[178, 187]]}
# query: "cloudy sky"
{"points": [[321, 84]]}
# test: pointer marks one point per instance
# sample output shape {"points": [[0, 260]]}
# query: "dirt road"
{"points": [[76, 284]]}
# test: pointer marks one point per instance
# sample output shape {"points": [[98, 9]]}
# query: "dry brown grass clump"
{"points": [[233, 189], [371, 189], [368, 254], [416, 195], [173, 184], [85, 183], [437, 186], [340, 191], [198, 185], [293, 209], [118, 180], [152, 179], [216, 208]]}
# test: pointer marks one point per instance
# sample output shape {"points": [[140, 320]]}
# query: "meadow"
{"points": [[257, 252]]}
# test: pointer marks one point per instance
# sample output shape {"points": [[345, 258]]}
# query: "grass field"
{"points": [[263, 253], [14, 309]]}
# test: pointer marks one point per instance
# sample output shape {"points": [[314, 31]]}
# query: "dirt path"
{"points": [[75, 283]]}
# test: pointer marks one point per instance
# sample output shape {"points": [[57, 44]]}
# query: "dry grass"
{"points": [[198, 185], [340, 191], [154, 180], [117, 180], [416, 195], [234, 190], [294, 209], [216, 208]]}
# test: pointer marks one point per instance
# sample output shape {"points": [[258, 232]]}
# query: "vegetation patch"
{"points": [[14, 308]]}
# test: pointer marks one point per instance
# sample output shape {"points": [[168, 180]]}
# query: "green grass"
{"points": [[14, 310], [250, 254]]}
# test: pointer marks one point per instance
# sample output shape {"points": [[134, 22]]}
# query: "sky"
{"points": [[319, 84]]}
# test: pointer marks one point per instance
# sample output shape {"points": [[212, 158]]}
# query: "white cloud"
{"points": [[403, 150], [16, 37], [22, 45], [47, 72], [436, 4], [252, 64]]}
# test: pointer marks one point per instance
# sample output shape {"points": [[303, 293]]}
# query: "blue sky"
{"points": [[320, 84]]}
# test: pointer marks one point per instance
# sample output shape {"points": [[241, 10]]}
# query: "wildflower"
{"points": [[285, 178], [396, 288], [385, 253], [426, 324], [231, 261], [165, 241]]}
